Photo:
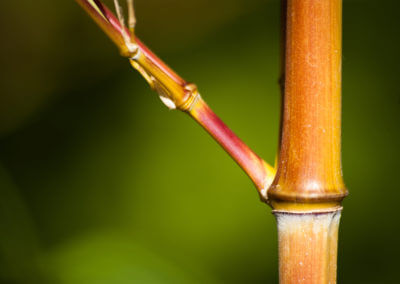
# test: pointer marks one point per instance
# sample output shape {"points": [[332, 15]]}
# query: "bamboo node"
{"points": [[131, 48], [193, 96]]}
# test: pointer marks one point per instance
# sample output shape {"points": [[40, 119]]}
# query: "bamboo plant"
{"points": [[305, 189]]}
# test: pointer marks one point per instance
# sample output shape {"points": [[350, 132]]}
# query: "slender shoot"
{"points": [[132, 18], [174, 91], [128, 37]]}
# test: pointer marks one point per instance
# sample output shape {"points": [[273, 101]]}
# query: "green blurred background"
{"points": [[100, 183]]}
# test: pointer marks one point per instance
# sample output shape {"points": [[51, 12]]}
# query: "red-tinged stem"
{"points": [[110, 24], [256, 168], [184, 96], [99, 14], [308, 188]]}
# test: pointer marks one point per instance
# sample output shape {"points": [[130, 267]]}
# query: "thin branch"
{"points": [[131, 18], [175, 92], [121, 19]]}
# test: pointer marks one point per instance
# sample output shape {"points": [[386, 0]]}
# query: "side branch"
{"points": [[175, 92], [256, 168]]}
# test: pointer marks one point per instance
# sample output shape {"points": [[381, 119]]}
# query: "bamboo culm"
{"points": [[305, 189]]}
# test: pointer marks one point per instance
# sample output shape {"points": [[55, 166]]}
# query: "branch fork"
{"points": [[327, 190], [306, 188], [174, 91]]}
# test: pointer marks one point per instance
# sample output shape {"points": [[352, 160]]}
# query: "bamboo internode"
{"points": [[308, 246], [308, 187], [309, 163]]}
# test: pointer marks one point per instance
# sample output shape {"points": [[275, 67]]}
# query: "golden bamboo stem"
{"points": [[308, 246], [308, 187], [309, 164]]}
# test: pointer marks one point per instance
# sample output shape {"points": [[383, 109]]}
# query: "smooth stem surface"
{"points": [[175, 92], [309, 164], [308, 188], [308, 246], [258, 170]]}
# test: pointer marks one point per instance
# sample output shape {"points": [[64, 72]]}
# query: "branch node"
{"points": [[129, 38]]}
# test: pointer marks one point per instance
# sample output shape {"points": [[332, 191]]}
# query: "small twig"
{"points": [[175, 92], [128, 38], [132, 18]]}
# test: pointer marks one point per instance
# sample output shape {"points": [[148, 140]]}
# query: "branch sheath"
{"points": [[175, 92]]}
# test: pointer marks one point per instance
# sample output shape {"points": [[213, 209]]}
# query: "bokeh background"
{"points": [[100, 183]]}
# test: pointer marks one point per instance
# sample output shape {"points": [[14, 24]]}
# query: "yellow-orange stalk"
{"points": [[308, 246], [308, 187], [175, 92]]}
